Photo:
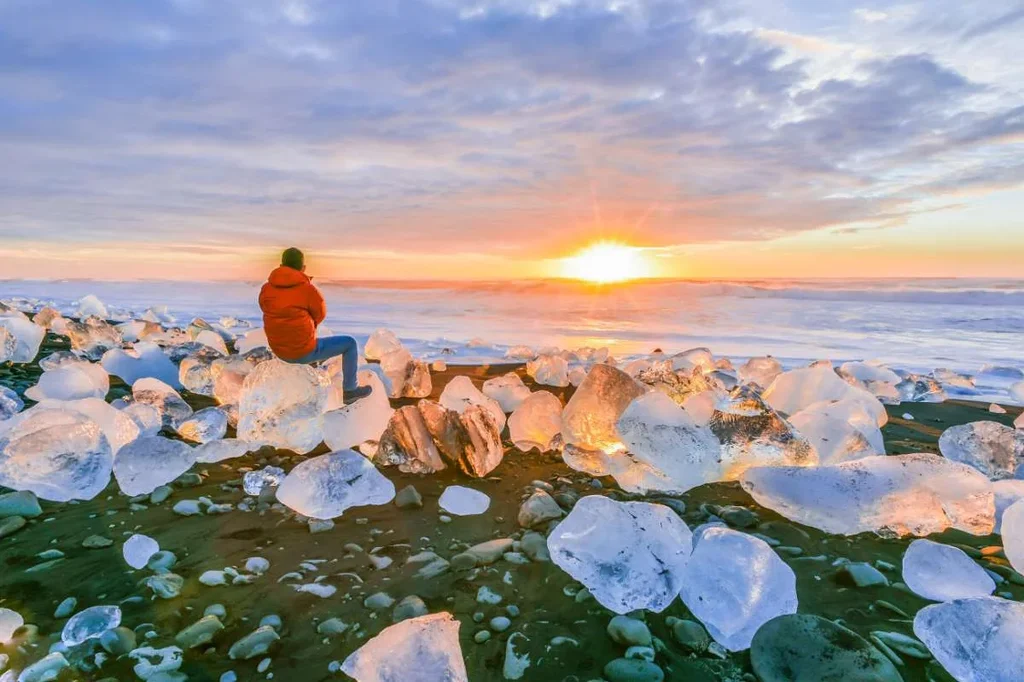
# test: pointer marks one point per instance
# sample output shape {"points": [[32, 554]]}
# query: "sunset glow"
{"points": [[607, 262]]}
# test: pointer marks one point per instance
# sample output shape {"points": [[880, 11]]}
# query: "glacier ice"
{"points": [[869, 372], [536, 422], [760, 371], [10, 621], [991, 448], [840, 431], [630, 555], [57, 454], [734, 583], [520, 353], [212, 339], [10, 403], [255, 482], [253, 339], [228, 375], [90, 305], [89, 624], [71, 382], [146, 417], [460, 393], [508, 389], [27, 335], [796, 389], [119, 428], [1013, 534], [282, 405], [408, 444], [549, 370], [144, 360], [980, 639], [361, 421], [590, 417], [221, 450], [208, 424], [462, 501], [8, 344], [943, 573], [158, 395], [92, 337], [380, 343], [323, 487], [422, 649], [694, 359], [139, 549], [915, 494], [149, 462]]}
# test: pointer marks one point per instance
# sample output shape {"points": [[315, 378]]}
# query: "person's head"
{"points": [[293, 258]]}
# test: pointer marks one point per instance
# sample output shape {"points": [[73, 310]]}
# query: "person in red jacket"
{"points": [[292, 310]]}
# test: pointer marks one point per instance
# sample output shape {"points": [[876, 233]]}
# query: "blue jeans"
{"points": [[332, 346]]}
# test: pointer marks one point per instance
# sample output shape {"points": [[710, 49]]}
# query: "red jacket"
{"points": [[292, 308]]}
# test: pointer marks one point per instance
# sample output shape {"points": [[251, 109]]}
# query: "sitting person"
{"points": [[292, 310]]}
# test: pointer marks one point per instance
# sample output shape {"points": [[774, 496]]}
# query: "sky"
{"points": [[484, 139]]}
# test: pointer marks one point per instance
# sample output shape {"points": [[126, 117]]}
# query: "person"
{"points": [[292, 310]]}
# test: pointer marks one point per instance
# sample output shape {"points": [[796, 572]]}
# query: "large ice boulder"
{"points": [[26, 335], [172, 407], [944, 573], [228, 375], [734, 583], [119, 428], [991, 448], [57, 454], [422, 649], [323, 487], [508, 389], [630, 555], [760, 371], [840, 430], [253, 339], [282, 405], [93, 337], [460, 393], [146, 463], [796, 389], [90, 305], [1013, 534], [406, 377], [590, 418], [380, 343], [71, 382], [976, 640], [549, 370], [915, 494], [362, 421], [145, 360], [536, 421]]}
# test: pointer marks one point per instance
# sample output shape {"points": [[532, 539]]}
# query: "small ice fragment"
{"points": [[462, 501], [89, 624], [138, 549]]}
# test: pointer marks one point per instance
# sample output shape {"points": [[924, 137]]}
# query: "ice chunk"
{"points": [[536, 422], [282, 405], [10, 403], [734, 583], [149, 462], [155, 393], [1007, 491], [408, 444], [158, 665], [48, 317], [93, 337], [509, 390], [590, 417], [916, 494], [228, 376], [460, 393], [137, 330], [1013, 534], [549, 370], [58, 454], [1017, 392], [840, 431], [146, 360], [868, 372], [667, 450], [195, 374], [221, 450], [363, 420], [71, 382], [630, 555], [253, 339], [8, 344], [462, 501], [323, 487], [423, 649], [208, 424], [976, 640], [89, 624], [380, 343], [406, 377], [989, 447], [146, 417], [27, 337], [212, 339], [796, 389], [60, 358], [139, 549], [119, 428], [254, 482], [918, 389], [695, 358], [90, 305], [520, 353], [760, 371], [943, 573], [1018, 423], [10, 621]]}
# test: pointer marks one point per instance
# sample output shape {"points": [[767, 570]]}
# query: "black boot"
{"points": [[356, 393]]}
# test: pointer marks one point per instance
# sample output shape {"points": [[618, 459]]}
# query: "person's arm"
{"points": [[317, 307]]}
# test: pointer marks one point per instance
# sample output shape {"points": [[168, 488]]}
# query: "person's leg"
{"points": [[333, 346]]}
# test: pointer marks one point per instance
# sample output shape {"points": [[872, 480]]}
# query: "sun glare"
{"points": [[607, 262]]}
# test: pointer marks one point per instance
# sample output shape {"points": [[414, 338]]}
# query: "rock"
{"points": [[908, 646], [538, 509], [139, 549], [989, 447], [20, 503], [165, 585], [424, 648], [89, 624], [333, 627], [408, 498], [203, 631], [943, 573], [282, 404], [975, 640], [118, 641], [431, 565], [536, 421], [462, 501], [630, 555], [861, 574], [916, 494], [500, 623], [409, 607], [256, 643], [633, 670], [11, 525], [96, 542], [627, 631], [508, 390], [738, 517], [734, 583], [689, 634], [807, 648], [380, 601], [535, 546], [44, 670], [323, 487], [151, 461], [187, 508], [486, 553], [590, 417], [65, 608]]}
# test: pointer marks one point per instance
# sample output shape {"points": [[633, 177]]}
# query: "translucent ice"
{"points": [[146, 417], [462, 501], [943, 573], [253, 339], [590, 417], [323, 487], [976, 640], [145, 360], [630, 555], [460, 393], [10, 621], [989, 447], [423, 649], [734, 583], [221, 450], [93, 337], [282, 405], [361, 421], [549, 370], [407, 442], [119, 428], [1013, 534], [71, 382], [10, 403], [695, 358], [840, 431], [90, 305], [520, 353], [228, 376], [8, 344], [760, 371], [27, 337], [208, 424], [255, 482], [139, 549], [509, 390], [868, 372], [916, 494], [212, 339], [155, 393], [796, 389], [536, 422], [58, 454], [380, 343], [151, 461], [195, 374], [89, 624]]}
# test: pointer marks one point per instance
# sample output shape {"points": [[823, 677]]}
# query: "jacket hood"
{"points": [[285, 277]]}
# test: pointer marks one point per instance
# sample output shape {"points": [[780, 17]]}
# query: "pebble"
{"points": [[500, 623], [332, 627], [379, 562], [256, 643], [160, 494], [482, 636], [199, 633], [216, 610], [738, 517], [861, 574], [486, 595], [535, 546], [119, 641], [539, 508], [271, 620], [512, 610], [66, 608], [379, 601], [21, 503], [691, 635], [187, 508], [627, 631], [642, 653], [408, 498], [633, 670], [10, 526], [409, 607], [96, 542]]}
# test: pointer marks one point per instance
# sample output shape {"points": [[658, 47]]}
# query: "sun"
{"points": [[606, 263]]}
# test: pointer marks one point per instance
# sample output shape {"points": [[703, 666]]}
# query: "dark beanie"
{"points": [[293, 258]]}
